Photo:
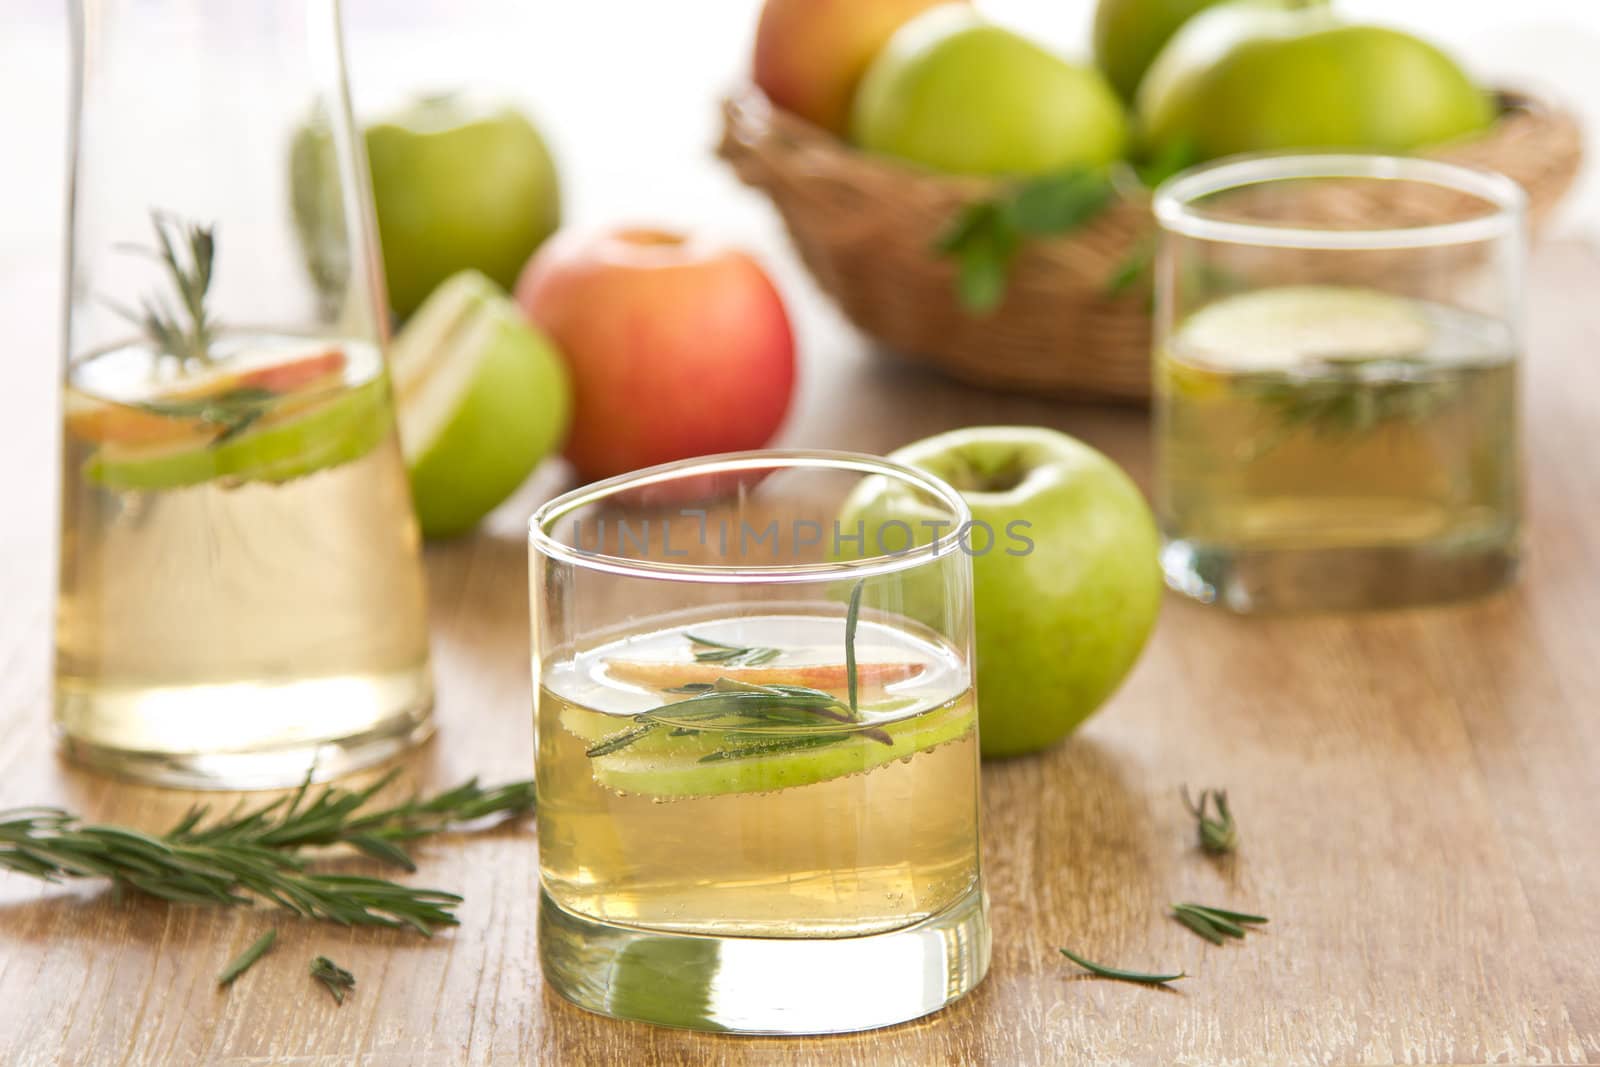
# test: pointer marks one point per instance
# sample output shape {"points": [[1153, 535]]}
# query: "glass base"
{"points": [[1342, 579], [244, 735], [754, 985]]}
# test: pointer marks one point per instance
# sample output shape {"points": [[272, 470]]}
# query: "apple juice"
{"points": [[837, 825], [1347, 447], [239, 562]]}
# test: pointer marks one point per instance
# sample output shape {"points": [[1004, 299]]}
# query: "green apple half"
{"points": [[1060, 623], [661, 765], [482, 396]]}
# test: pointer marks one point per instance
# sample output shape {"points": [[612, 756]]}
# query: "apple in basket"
{"points": [[810, 54], [956, 93], [1128, 35], [1267, 76]]}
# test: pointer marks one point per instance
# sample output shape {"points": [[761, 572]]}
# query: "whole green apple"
{"points": [[1256, 77], [1066, 577], [458, 185], [482, 397], [1128, 35], [955, 93]]}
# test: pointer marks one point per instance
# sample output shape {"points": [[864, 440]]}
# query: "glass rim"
{"points": [[547, 514], [1173, 201]]}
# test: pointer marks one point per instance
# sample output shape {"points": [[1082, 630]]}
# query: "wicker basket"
{"points": [[865, 225]]}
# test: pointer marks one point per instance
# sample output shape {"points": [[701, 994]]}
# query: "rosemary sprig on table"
{"points": [[1214, 924], [732, 655], [338, 981], [256, 853], [184, 334], [1218, 833], [335, 817], [732, 705], [247, 958], [1118, 973]]}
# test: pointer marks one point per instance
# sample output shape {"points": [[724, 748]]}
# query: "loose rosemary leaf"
{"points": [[1214, 924], [1199, 924], [1218, 834], [1118, 973], [1233, 916], [334, 978], [247, 958]]}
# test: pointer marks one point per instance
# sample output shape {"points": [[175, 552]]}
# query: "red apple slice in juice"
{"points": [[90, 419], [310, 418]]}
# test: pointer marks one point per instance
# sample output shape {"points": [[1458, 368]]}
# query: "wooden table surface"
{"points": [[1418, 794]]}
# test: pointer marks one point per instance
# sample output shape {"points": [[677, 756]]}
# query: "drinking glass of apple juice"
{"points": [[241, 599], [1336, 404], [756, 746]]}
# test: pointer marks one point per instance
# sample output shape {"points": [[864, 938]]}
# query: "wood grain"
{"points": [[1418, 794]]}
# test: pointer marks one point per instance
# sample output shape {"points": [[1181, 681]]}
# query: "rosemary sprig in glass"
{"points": [[256, 853], [852, 616], [232, 412], [729, 705], [774, 710], [1350, 397], [732, 655], [186, 333]]}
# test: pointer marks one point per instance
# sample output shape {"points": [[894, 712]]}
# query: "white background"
{"points": [[626, 91]]}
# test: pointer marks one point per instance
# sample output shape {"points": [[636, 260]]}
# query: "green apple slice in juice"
{"points": [[269, 409], [663, 716]]}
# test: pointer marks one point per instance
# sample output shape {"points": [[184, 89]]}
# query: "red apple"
{"points": [[810, 54], [677, 347]]}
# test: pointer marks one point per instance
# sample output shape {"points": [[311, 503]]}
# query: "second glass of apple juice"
{"points": [[756, 747], [1337, 341]]}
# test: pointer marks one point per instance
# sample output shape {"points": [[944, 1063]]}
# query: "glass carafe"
{"points": [[241, 594]]}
